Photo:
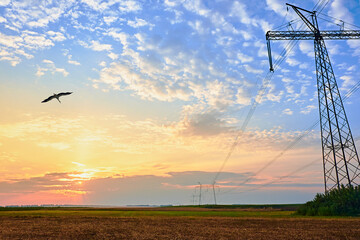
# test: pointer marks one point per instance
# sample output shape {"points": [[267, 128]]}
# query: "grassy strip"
{"points": [[286, 207], [142, 213]]}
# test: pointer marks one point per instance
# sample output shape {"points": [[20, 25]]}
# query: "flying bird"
{"points": [[57, 96]]}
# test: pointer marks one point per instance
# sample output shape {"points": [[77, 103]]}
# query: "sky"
{"points": [[161, 90]]}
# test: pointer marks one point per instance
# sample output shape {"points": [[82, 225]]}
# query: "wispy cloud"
{"points": [[50, 67], [96, 46]]}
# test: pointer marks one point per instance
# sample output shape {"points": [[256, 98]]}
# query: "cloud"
{"points": [[96, 46], [3, 20], [138, 22], [56, 36], [308, 109], [37, 42], [292, 62], [338, 10], [174, 188], [307, 48], [250, 69], [204, 124], [243, 97], [288, 111], [36, 15], [239, 10], [348, 82], [197, 7], [199, 27], [50, 67], [10, 41], [110, 19], [119, 36], [113, 56], [277, 6], [130, 6], [4, 2], [17, 46], [244, 58], [74, 62], [355, 45]]}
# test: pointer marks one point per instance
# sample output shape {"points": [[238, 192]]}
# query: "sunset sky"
{"points": [[160, 92]]}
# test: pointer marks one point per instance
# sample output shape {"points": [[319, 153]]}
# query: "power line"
{"points": [[285, 176], [340, 20], [292, 144], [280, 178]]}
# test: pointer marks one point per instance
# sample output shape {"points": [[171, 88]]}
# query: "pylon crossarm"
{"points": [[309, 35]]}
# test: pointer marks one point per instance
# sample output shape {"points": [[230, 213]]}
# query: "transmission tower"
{"points": [[340, 159]]}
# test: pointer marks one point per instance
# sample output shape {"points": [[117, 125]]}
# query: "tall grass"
{"points": [[344, 201]]}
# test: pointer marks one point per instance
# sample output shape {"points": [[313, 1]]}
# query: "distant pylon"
{"points": [[340, 159]]}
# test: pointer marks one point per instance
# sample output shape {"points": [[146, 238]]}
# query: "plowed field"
{"points": [[79, 226]]}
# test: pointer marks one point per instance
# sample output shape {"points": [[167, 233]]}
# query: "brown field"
{"points": [[84, 226]]}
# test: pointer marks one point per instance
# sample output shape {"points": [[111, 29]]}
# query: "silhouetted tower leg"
{"points": [[340, 159]]}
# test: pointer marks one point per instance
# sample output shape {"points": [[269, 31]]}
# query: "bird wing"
{"points": [[48, 99], [64, 93]]}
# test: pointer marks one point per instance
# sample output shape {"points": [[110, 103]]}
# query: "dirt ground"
{"points": [[80, 227]]}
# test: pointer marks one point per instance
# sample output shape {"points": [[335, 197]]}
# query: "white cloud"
{"points": [[243, 97], [198, 26], [143, 85], [288, 111], [277, 6], [4, 2], [355, 45], [98, 5], [36, 41], [36, 15], [250, 69], [119, 36], [244, 58], [239, 9], [113, 56], [96, 46], [204, 124], [171, 3], [73, 62], [110, 19], [138, 22], [50, 67], [10, 40], [56, 36], [246, 35], [273, 95], [348, 82], [3, 20], [292, 61], [308, 109], [307, 48], [197, 7], [351, 68], [339, 11], [129, 6]]}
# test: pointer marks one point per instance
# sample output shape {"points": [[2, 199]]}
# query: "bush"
{"points": [[344, 201]]}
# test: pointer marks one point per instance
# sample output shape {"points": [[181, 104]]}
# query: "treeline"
{"points": [[344, 201]]}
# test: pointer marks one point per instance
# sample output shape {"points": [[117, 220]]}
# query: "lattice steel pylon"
{"points": [[340, 159]]}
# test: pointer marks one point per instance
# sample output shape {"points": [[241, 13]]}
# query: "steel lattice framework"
{"points": [[340, 159]]}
